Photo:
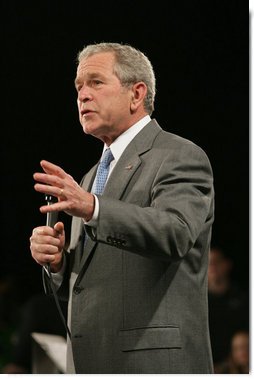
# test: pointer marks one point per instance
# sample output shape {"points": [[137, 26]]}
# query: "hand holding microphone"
{"points": [[51, 220], [47, 242]]}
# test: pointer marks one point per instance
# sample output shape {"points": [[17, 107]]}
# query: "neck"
{"points": [[109, 139]]}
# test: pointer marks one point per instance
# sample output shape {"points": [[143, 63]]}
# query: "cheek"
{"points": [[78, 106], [122, 105], [109, 109]]}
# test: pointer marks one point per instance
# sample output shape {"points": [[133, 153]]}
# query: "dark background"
{"points": [[199, 50]]}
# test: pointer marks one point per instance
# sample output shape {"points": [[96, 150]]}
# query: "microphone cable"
{"points": [[51, 221], [53, 289]]}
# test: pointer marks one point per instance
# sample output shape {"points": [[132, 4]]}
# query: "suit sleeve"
{"points": [[180, 209]]}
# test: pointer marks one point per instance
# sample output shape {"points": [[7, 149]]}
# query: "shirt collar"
{"points": [[119, 145]]}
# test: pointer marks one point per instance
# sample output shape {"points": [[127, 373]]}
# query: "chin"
{"points": [[89, 130], [86, 128]]}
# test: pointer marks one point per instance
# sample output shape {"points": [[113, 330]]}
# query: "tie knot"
{"points": [[107, 158]]}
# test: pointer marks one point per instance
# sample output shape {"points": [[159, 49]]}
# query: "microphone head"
{"points": [[50, 199]]}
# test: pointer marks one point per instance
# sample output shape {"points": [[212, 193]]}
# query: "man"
{"points": [[136, 268]]}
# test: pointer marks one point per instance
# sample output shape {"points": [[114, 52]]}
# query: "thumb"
{"points": [[59, 227]]}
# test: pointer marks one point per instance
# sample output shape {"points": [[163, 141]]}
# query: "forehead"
{"points": [[97, 63]]}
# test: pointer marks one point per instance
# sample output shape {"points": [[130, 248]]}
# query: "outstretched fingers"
{"points": [[51, 168]]}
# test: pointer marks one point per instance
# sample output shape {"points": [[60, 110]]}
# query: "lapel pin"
{"points": [[129, 167]]}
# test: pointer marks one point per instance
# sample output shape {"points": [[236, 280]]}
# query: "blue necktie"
{"points": [[101, 177], [102, 172]]}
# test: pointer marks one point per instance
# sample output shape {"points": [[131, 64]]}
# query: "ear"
{"points": [[139, 91]]}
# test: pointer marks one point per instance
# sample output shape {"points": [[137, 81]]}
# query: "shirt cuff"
{"points": [[93, 221]]}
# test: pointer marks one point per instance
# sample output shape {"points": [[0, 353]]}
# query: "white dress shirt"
{"points": [[117, 148]]}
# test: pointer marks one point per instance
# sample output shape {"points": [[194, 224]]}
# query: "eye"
{"points": [[78, 87], [96, 82]]}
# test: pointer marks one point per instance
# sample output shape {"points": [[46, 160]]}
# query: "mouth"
{"points": [[86, 112]]}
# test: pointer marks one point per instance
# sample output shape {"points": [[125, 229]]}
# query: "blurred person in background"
{"points": [[238, 359], [11, 297], [38, 314], [228, 304]]}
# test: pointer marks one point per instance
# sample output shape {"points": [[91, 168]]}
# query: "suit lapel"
{"points": [[130, 160], [122, 173]]}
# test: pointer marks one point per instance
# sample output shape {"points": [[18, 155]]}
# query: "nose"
{"points": [[84, 94]]}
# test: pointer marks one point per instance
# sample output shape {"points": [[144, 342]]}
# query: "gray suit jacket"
{"points": [[139, 302]]}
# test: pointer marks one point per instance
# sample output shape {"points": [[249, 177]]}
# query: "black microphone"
{"points": [[51, 216]]}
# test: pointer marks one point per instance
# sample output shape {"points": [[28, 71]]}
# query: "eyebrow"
{"points": [[91, 75]]}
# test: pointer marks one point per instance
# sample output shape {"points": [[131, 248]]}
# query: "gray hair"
{"points": [[131, 66]]}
